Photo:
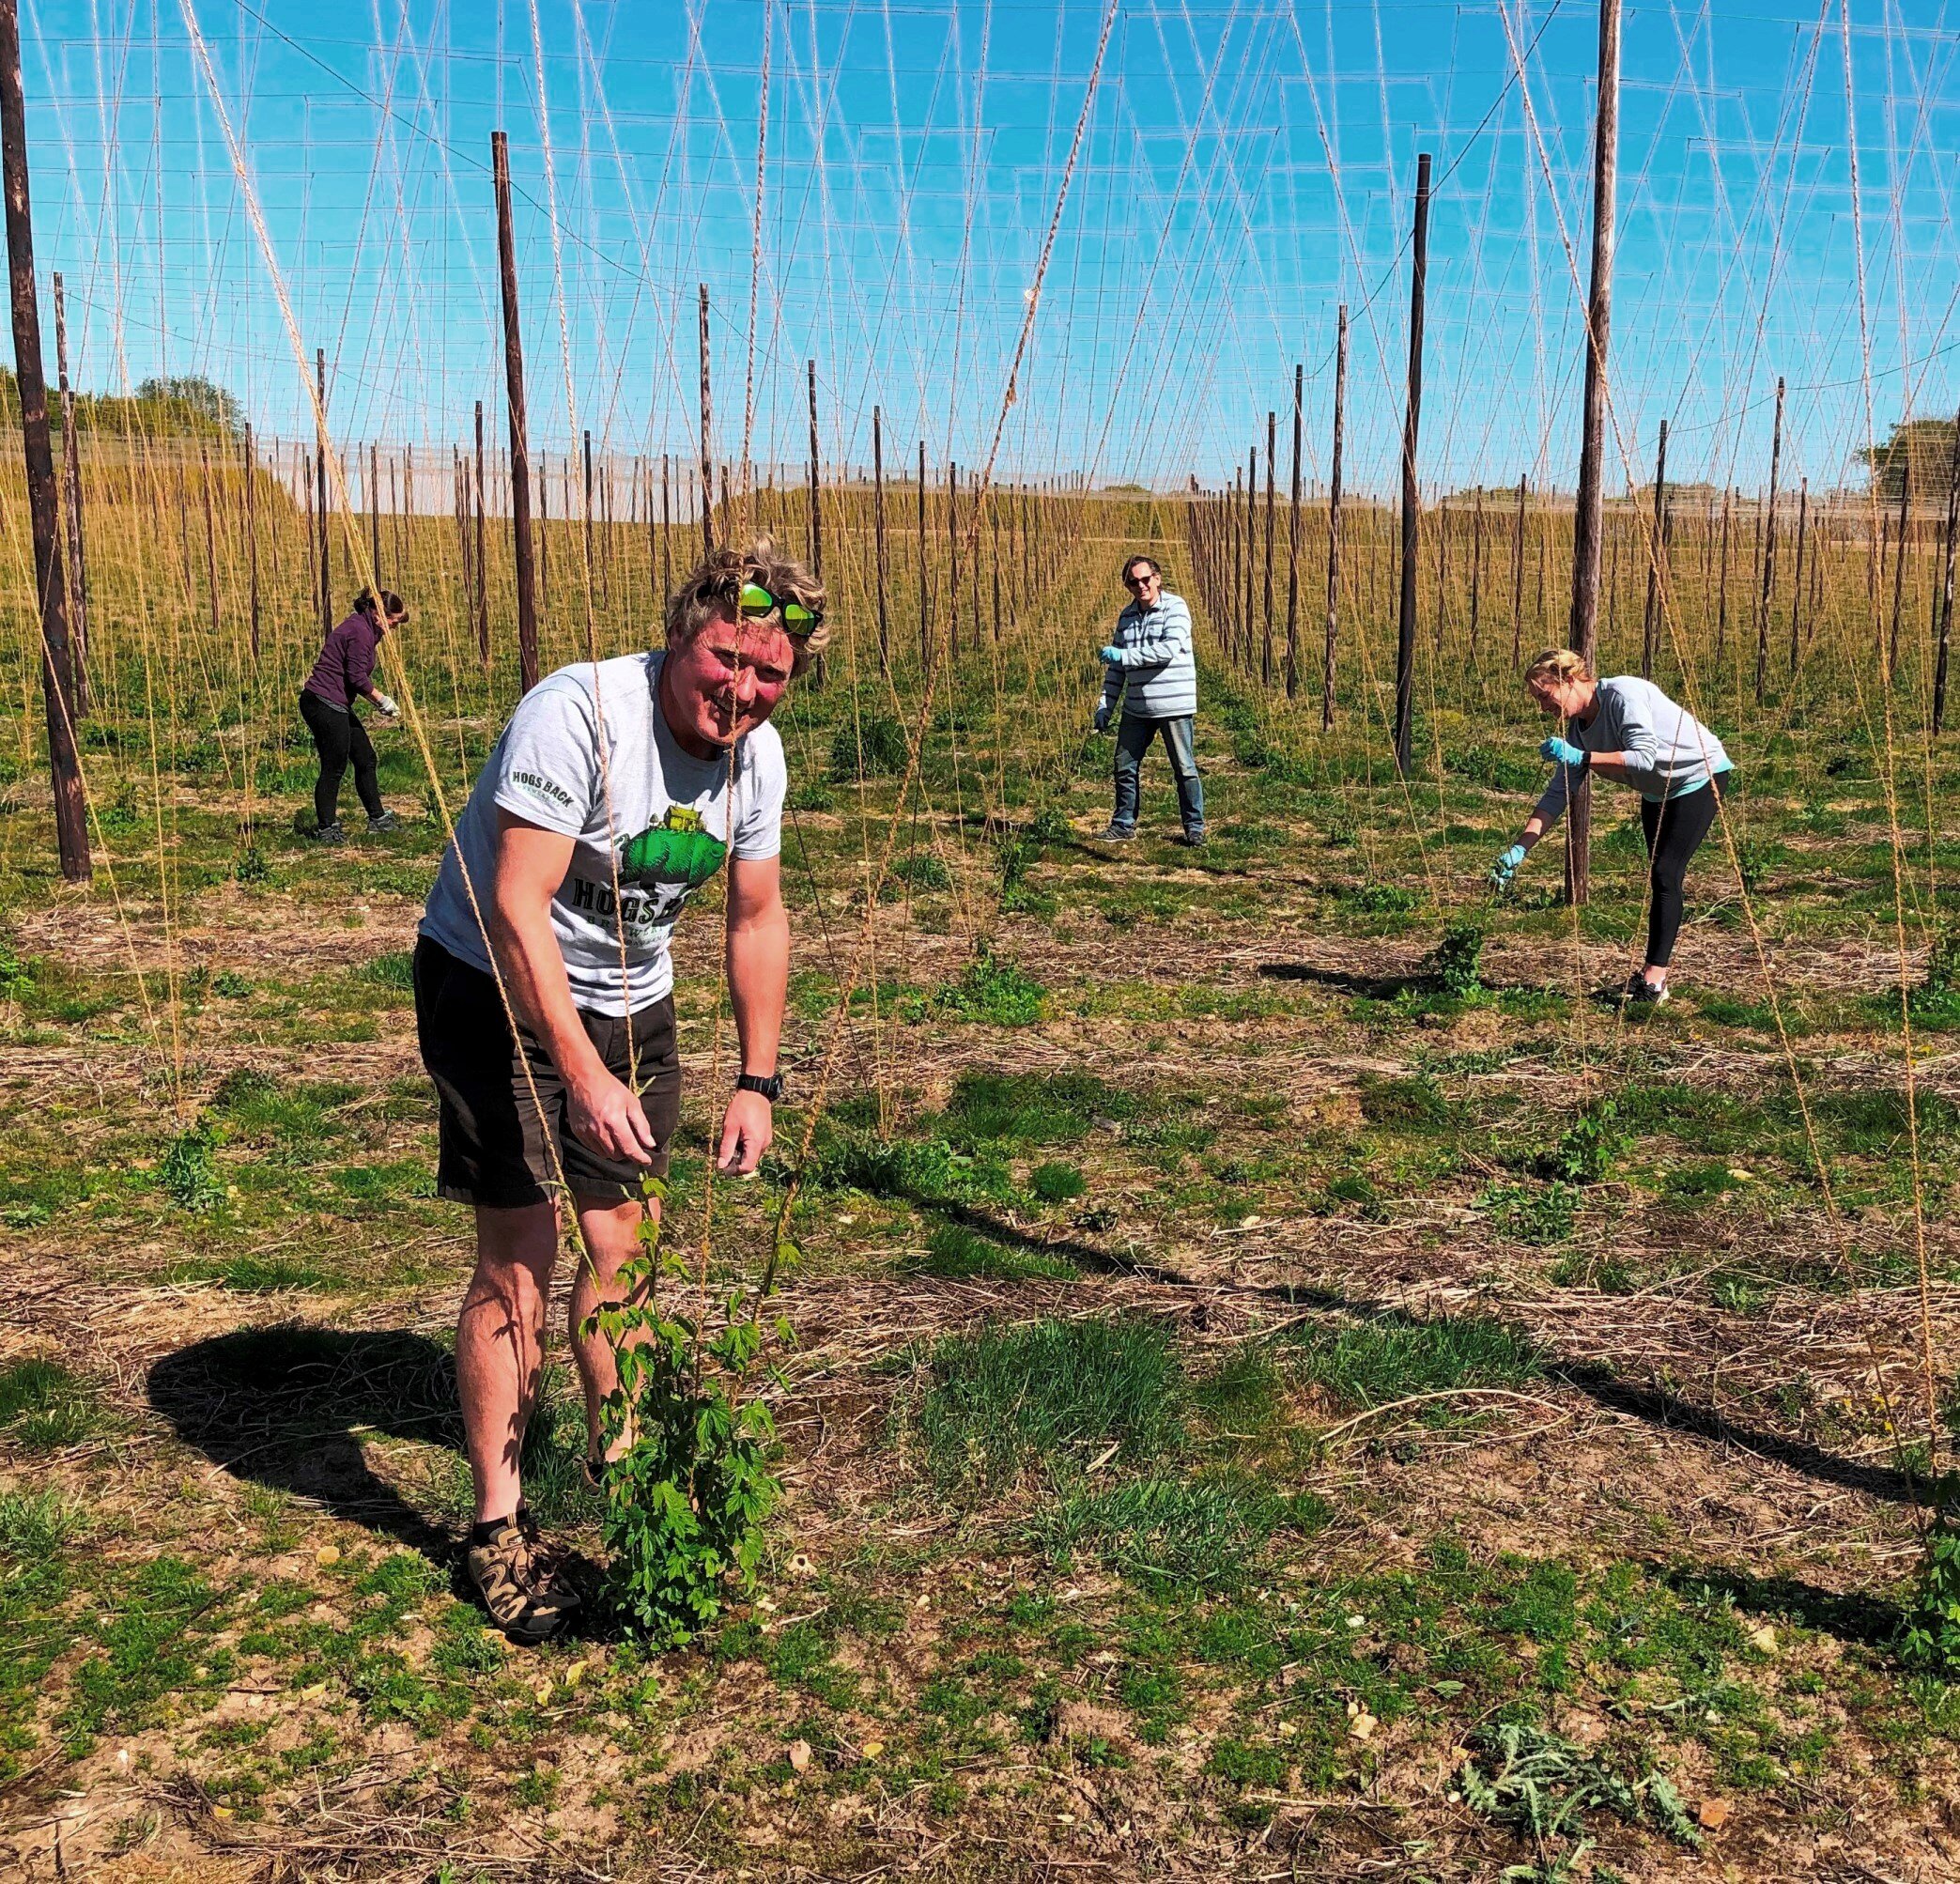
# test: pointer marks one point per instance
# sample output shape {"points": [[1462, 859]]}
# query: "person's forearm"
{"points": [[759, 983], [540, 993], [1611, 765]]}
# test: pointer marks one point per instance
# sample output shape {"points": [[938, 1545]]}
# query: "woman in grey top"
{"points": [[1626, 729]]}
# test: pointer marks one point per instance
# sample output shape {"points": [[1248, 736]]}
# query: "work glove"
{"points": [[1505, 868], [1111, 657], [389, 709], [1103, 711], [1562, 752]]}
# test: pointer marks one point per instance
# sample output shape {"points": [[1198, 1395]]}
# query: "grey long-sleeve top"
{"points": [[1669, 751], [1157, 676]]}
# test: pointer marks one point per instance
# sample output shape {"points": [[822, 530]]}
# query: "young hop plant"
{"points": [[687, 1498]]}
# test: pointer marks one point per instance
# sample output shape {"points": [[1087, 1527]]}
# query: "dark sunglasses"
{"points": [[1138, 582], [757, 604]]}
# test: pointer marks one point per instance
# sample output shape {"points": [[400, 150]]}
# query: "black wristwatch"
{"points": [[770, 1087]]}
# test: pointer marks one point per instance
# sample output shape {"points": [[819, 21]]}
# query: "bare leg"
{"points": [[611, 1235], [499, 1335]]}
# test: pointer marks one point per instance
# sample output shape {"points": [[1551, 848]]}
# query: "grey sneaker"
{"points": [[386, 822], [1642, 993], [331, 834], [1118, 834], [1195, 840]]}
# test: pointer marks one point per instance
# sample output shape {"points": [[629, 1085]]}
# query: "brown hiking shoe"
{"points": [[524, 1598], [553, 1566]]}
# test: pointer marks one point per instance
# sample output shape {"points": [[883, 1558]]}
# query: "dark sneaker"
{"points": [[1644, 994], [386, 822], [1118, 834], [522, 1591], [331, 834], [1195, 840]]}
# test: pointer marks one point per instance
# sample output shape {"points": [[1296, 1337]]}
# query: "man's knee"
{"points": [[516, 1252]]}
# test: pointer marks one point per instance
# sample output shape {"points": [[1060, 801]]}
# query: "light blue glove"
{"points": [[1562, 752], [1103, 710], [1505, 868], [1111, 657]]}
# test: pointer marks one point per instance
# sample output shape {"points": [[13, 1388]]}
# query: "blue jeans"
{"points": [[1133, 740]]}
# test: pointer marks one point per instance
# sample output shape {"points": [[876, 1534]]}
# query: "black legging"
{"points": [[1674, 831], [338, 738]]}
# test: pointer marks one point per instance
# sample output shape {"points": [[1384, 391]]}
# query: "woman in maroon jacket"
{"points": [[345, 673]]}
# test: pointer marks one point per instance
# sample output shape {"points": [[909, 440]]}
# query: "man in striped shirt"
{"points": [[1150, 668]]}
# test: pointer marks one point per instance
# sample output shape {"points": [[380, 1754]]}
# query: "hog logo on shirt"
{"points": [[679, 851]]}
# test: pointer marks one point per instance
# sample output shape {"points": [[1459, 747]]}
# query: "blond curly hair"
{"points": [[1556, 666], [709, 593]]}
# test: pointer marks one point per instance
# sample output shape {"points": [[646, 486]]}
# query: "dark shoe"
{"points": [[1195, 840], [331, 834], [1118, 834], [521, 1593], [1644, 994], [386, 822]]}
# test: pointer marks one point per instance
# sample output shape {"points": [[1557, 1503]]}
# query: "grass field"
{"points": [[1275, 1396]]}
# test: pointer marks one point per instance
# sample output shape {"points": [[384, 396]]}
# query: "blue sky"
{"points": [[1244, 169]]}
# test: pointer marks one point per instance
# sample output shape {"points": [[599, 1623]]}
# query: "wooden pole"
{"points": [[210, 546], [1583, 633], [1476, 569], [77, 569], [519, 428], [1650, 623], [320, 511], [1266, 642], [480, 575], [374, 509], [586, 535], [1334, 519], [878, 535], [925, 627], [666, 532], [1721, 613], [1517, 582], [252, 539], [1900, 544], [817, 675], [1412, 512], [43, 501], [1776, 458], [708, 437], [1946, 583], [1252, 553], [1293, 546], [953, 544], [1803, 510]]}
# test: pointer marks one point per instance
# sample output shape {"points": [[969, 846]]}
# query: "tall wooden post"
{"points": [[1266, 639], [817, 669], [321, 509], [1803, 514], [586, 489], [1722, 606], [373, 511], [43, 505], [1252, 551], [1768, 590], [708, 437], [1901, 544], [252, 606], [1584, 632], [1946, 583], [666, 532], [210, 546], [925, 625], [1476, 570], [1293, 546], [878, 533], [77, 570], [952, 577], [480, 575], [1517, 581], [519, 428], [1334, 519], [1412, 513], [1650, 625]]}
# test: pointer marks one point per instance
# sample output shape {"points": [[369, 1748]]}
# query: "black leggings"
{"points": [[339, 738], [1674, 831]]}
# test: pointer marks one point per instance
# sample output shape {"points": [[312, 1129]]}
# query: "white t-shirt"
{"points": [[669, 826]]}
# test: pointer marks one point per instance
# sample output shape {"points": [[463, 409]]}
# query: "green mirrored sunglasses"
{"points": [[756, 602]]}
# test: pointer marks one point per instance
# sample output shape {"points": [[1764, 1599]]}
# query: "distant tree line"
{"points": [[181, 404], [1920, 451]]}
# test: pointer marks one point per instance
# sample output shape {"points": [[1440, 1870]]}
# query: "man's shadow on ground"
{"points": [[289, 1406]]}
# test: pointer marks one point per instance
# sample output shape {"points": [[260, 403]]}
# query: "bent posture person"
{"points": [[1627, 730], [344, 673], [618, 789], [1149, 667]]}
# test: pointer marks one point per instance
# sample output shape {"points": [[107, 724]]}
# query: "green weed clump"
{"points": [[991, 991], [1370, 1364], [1000, 1399], [1057, 1183], [1588, 1147], [188, 1170], [962, 1255], [872, 749], [1456, 961], [1538, 1782], [1930, 1639]]}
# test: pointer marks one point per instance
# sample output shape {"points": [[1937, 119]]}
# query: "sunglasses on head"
{"points": [[757, 604]]}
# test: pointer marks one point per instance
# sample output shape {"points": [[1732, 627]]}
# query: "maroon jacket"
{"points": [[347, 663]]}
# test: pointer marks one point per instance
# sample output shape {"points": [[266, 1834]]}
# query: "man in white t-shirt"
{"points": [[617, 790]]}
